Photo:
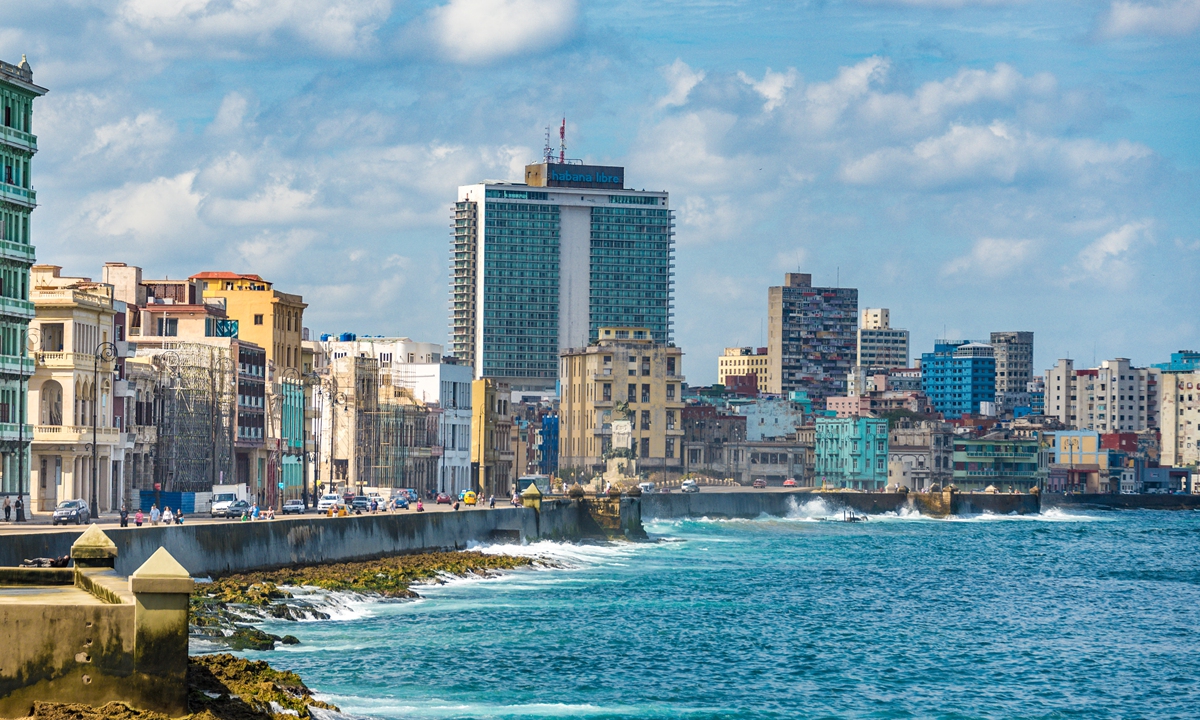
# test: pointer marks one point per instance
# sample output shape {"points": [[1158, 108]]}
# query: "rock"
{"points": [[290, 640], [251, 638]]}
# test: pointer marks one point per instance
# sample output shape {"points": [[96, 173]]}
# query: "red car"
{"points": [[760, 483], [790, 482], [444, 499]]}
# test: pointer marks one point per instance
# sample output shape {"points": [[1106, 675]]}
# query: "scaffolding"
{"points": [[195, 395]]}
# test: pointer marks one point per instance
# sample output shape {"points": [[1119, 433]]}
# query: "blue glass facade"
{"points": [[631, 269], [958, 376]]}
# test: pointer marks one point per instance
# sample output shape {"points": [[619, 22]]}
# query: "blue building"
{"points": [[1183, 361], [548, 445], [959, 375], [851, 453]]}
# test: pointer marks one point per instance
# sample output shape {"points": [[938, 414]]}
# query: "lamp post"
{"points": [[105, 351], [32, 342]]}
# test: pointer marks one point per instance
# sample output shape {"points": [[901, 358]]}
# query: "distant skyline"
{"points": [[973, 165]]}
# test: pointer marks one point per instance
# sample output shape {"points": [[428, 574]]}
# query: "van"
{"points": [[646, 487], [330, 500]]}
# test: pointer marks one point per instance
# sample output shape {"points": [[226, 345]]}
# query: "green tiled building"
{"points": [[995, 459]]}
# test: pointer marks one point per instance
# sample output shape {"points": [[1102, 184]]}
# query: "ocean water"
{"points": [[1063, 615]]}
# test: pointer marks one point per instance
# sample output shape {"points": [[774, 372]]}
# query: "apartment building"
{"points": [[1013, 351], [269, 318], [624, 376], [1114, 397], [812, 337], [1180, 423], [880, 346], [851, 453], [958, 377], [742, 361]]}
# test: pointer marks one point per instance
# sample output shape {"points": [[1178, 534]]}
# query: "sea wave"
{"points": [[565, 554], [438, 708]]}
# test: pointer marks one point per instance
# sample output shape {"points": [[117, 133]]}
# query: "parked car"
{"points": [[294, 506], [760, 483], [71, 511], [360, 504], [689, 486], [410, 493], [444, 499], [646, 487], [329, 500], [232, 510], [790, 482], [221, 502]]}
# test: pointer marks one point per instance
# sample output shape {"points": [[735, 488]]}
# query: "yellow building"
{"points": [[269, 318], [623, 376], [739, 361], [491, 438]]}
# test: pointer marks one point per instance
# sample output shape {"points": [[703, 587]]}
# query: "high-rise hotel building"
{"points": [[539, 267]]}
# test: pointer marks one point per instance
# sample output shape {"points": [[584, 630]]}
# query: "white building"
{"points": [[879, 344], [1014, 368], [1180, 420], [1115, 397], [420, 367]]}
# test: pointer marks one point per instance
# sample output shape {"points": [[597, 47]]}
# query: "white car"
{"points": [[689, 486], [331, 500]]}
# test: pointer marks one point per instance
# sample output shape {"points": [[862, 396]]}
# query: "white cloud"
{"points": [[132, 139], [1109, 258], [480, 31], [991, 257], [339, 27], [149, 213], [1169, 18], [230, 115], [825, 103], [997, 153], [682, 79], [773, 87], [277, 204]]}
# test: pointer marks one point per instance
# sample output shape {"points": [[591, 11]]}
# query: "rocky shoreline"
{"points": [[226, 610]]}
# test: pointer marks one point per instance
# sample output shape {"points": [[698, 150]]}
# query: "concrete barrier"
{"points": [[752, 503], [224, 548], [1123, 502]]}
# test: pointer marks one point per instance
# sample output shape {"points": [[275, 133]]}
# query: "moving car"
{"points": [[329, 500], [444, 499], [790, 482], [294, 506], [232, 510], [469, 497], [360, 504], [760, 483], [401, 502], [689, 486], [75, 511]]}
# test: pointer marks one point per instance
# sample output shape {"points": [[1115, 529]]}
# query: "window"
{"points": [[645, 393], [670, 419], [607, 392], [258, 319], [670, 367], [645, 447], [631, 395], [670, 447], [670, 393], [168, 327], [645, 367], [645, 419]]}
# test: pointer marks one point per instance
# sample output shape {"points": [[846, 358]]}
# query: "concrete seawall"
{"points": [[751, 504], [224, 548], [1123, 502]]}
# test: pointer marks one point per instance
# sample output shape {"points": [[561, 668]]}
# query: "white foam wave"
{"points": [[441, 708], [566, 554]]}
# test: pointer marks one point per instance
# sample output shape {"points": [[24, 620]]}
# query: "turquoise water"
{"points": [[1058, 616]]}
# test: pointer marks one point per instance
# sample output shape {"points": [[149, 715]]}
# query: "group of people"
{"points": [[9, 506], [165, 517]]}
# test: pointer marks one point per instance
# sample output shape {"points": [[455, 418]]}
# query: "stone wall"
{"points": [[753, 503]]}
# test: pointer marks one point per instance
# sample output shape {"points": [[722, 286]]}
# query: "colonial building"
{"points": [[851, 453], [996, 460], [271, 319], [920, 454], [492, 455], [72, 391], [625, 375], [18, 145]]}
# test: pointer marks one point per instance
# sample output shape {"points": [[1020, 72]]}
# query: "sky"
{"points": [[973, 165]]}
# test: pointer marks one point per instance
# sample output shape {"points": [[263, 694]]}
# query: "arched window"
{"points": [[51, 401]]}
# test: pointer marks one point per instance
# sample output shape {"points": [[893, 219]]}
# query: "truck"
{"points": [[224, 495]]}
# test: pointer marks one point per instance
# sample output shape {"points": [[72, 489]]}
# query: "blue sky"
{"points": [[974, 165]]}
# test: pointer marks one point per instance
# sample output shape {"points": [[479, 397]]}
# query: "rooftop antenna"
{"points": [[562, 142], [548, 151]]}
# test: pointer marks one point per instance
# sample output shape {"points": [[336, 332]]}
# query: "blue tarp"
{"points": [[173, 500]]}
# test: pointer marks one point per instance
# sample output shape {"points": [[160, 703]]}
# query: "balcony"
{"points": [[70, 361], [18, 195], [15, 307], [12, 365], [74, 434], [16, 251], [11, 432], [18, 139]]}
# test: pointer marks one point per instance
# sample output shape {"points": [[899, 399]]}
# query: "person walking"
{"points": [[20, 508], [7, 509], [154, 515], [168, 517], [492, 502], [139, 518], [124, 516]]}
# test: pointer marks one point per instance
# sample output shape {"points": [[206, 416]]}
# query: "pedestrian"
{"points": [[254, 511], [179, 517], [492, 502], [374, 506], [168, 517], [154, 514], [139, 518], [7, 509], [420, 507], [124, 516], [20, 508]]}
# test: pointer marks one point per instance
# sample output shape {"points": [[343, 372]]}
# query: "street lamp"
{"points": [[105, 351], [32, 342]]}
